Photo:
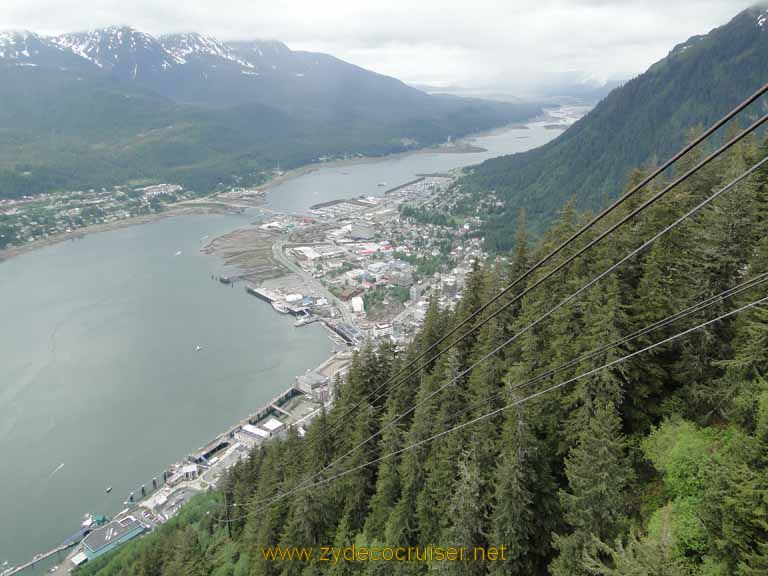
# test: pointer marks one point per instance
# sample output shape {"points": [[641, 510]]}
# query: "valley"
{"points": [[133, 267], [483, 295]]}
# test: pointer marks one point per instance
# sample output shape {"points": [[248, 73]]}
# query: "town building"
{"points": [[251, 435], [183, 474], [358, 306], [110, 536], [310, 380], [273, 426], [362, 231]]}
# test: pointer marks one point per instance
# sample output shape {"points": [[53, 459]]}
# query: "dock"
{"points": [[278, 409], [401, 186], [261, 294], [336, 364], [39, 558], [306, 320]]}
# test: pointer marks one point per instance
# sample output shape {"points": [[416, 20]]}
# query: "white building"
{"points": [[255, 431], [358, 306], [188, 472], [380, 330], [273, 425]]}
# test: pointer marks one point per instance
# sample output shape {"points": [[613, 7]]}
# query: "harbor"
{"points": [[154, 348], [152, 504]]}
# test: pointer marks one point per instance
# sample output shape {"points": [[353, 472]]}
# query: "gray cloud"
{"points": [[513, 45]]}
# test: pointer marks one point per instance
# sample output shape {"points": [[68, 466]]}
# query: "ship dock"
{"points": [[39, 558], [294, 407], [266, 295]]}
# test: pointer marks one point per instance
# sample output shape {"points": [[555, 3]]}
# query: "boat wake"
{"points": [[59, 467]]}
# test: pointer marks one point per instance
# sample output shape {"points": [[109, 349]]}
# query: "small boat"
{"points": [[280, 308], [381, 184], [198, 348], [109, 489], [178, 253]]}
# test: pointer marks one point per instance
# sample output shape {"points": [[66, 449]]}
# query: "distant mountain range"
{"points": [[646, 119], [564, 92], [116, 105]]}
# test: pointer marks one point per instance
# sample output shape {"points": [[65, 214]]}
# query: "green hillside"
{"points": [[67, 122], [655, 466], [646, 119]]}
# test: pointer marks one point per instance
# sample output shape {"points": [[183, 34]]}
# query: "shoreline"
{"points": [[462, 146], [15, 251], [203, 205], [172, 211], [188, 206], [341, 163]]}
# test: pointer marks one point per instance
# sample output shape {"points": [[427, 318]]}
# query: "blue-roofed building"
{"points": [[110, 536]]}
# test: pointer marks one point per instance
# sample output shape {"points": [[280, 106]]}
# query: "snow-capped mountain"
{"points": [[114, 104], [123, 50], [185, 67], [18, 45], [762, 20], [23, 48], [269, 49], [185, 48]]}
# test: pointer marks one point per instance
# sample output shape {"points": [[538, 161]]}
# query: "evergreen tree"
{"points": [[468, 520], [525, 509], [440, 465], [594, 505]]}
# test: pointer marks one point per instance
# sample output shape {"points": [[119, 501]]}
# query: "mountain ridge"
{"points": [[116, 105], [647, 117]]}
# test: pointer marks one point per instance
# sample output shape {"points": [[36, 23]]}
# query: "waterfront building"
{"points": [[110, 536], [314, 384], [307, 382], [188, 472], [273, 425], [251, 435]]}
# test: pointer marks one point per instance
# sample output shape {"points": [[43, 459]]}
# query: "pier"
{"points": [[401, 186], [278, 409], [38, 558]]}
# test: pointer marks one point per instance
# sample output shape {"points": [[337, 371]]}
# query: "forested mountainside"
{"points": [[116, 105], [644, 120], [657, 465]]}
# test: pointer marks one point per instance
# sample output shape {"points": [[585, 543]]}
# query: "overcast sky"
{"points": [[513, 46]]}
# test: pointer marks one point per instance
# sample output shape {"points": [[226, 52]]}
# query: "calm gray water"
{"points": [[333, 182], [100, 384], [100, 372]]}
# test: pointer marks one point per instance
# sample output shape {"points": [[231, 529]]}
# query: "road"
{"points": [[279, 254]]}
